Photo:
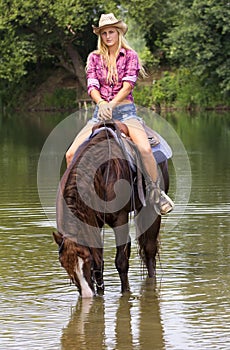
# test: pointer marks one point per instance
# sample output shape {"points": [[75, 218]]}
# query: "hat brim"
{"points": [[120, 24]]}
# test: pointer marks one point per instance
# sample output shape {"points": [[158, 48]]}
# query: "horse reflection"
{"points": [[127, 322], [86, 327]]}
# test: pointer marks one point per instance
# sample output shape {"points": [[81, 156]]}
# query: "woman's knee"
{"points": [[145, 149], [69, 156]]}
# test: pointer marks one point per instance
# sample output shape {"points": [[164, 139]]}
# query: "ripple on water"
{"points": [[190, 306]]}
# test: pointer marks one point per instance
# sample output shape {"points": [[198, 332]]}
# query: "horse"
{"points": [[103, 185]]}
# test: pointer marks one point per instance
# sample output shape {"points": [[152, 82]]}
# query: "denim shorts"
{"points": [[121, 113]]}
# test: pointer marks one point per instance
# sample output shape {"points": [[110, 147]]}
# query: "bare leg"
{"points": [[138, 135], [81, 137]]}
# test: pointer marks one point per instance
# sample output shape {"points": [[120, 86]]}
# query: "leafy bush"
{"points": [[164, 90], [143, 96], [181, 89]]}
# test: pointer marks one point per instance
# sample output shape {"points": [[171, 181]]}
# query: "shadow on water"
{"points": [[127, 322]]}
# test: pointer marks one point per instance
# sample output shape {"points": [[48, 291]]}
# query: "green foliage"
{"points": [[194, 36], [14, 59], [164, 90], [200, 40], [191, 35], [191, 92], [37, 30], [153, 19], [143, 96], [137, 41], [61, 98], [179, 89]]}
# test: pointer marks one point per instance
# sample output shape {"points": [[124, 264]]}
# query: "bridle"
{"points": [[94, 279], [60, 249]]}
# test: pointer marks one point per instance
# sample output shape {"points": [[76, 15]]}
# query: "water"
{"points": [[188, 308]]}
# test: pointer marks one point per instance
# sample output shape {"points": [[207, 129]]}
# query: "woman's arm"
{"points": [[122, 94], [95, 95], [105, 108], [120, 97]]}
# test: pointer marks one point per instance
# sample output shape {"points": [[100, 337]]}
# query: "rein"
{"points": [[122, 145], [129, 167], [126, 155], [106, 182], [61, 246]]}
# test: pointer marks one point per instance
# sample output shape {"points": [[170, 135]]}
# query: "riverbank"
{"points": [[61, 91]]}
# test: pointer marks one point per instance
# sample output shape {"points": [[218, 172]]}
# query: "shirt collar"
{"points": [[122, 51]]}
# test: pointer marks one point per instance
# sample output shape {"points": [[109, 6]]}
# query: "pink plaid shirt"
{"points": [[127, 68]]}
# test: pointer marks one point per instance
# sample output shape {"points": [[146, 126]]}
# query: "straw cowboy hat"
{"points": [[109, 20]]}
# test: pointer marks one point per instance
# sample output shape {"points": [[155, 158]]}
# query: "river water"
{"points": [[187, 308]]}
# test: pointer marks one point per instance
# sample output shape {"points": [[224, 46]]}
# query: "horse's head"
{"points": [[77, 261]]}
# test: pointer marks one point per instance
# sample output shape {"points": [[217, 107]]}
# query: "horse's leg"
{"points": [[122, 265], [148, 240], [123, 244], [96, 248], [98, 269], [164, 176]]}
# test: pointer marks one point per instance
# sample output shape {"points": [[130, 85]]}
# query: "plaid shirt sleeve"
{"points": [[132, 67], [92, 80]]}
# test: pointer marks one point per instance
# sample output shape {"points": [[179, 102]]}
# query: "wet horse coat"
{"points": [[101, 187]]}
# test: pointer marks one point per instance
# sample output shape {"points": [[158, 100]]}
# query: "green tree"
{"points": [[190, 34], [34, 32], [154, 19], [200, 40]]}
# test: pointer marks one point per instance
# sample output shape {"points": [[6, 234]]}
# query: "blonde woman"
{"points": [[112, 71]]}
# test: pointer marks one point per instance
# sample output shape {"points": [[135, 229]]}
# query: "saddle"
{"points": [[114, 125], [120, 132], [160, 148]]}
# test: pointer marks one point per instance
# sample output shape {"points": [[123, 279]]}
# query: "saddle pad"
{"points": [[162, 151]]}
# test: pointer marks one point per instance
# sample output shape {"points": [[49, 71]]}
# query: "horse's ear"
{"points": [[58, 238]]}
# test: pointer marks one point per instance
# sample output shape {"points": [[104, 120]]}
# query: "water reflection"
{"points": [[190, 306], [86, 326], [125, 322]]}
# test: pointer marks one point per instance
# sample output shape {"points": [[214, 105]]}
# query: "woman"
{"points": [[112, 71]]}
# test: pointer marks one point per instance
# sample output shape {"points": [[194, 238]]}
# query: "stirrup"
{"points": [[158, 198], [166, 204]]}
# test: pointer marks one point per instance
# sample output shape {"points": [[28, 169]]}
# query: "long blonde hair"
{"points": [[103, 50]]}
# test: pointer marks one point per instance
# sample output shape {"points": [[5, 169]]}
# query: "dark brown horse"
{"points": [[103, 184]]}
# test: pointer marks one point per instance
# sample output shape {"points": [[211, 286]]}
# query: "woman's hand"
{"points": [[105, 110]]}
